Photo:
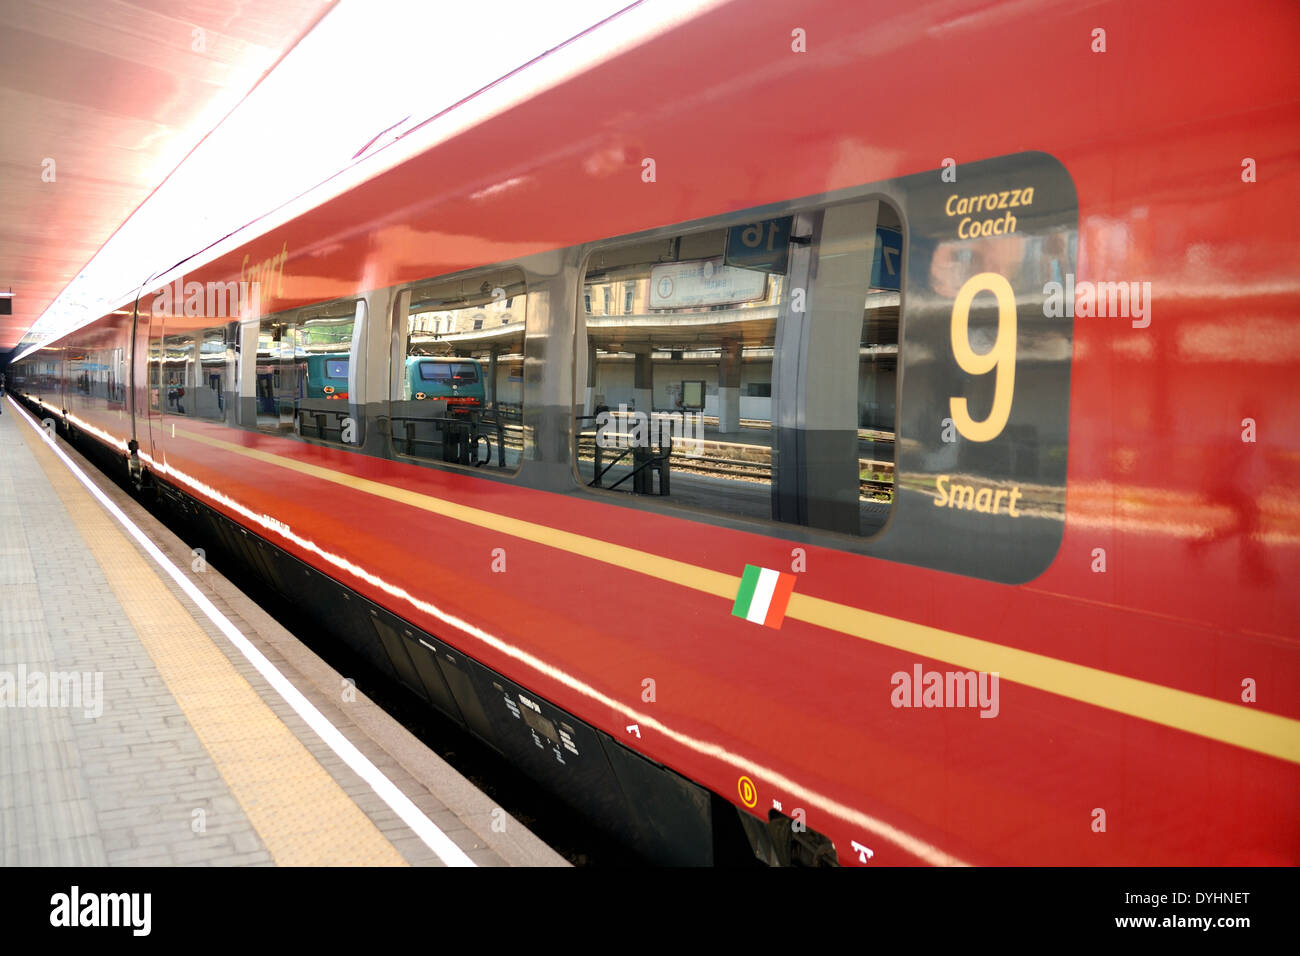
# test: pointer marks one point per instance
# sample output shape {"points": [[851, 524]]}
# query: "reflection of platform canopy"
{"points": [[684, 330], [500, 337], [752, 326]]}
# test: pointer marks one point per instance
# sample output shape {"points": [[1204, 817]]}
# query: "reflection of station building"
{"points": [[645, 357]]}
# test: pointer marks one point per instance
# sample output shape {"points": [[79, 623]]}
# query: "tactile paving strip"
{"points": [[302, 815]]}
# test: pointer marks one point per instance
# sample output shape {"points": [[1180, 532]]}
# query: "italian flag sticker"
{"points": [[763, 596]]}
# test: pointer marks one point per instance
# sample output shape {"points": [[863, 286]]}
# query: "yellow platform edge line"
{"points": [[302, 815], [1257, 730]]}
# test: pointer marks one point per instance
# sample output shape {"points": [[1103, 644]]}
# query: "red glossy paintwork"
{"points": [[1201, 531]]}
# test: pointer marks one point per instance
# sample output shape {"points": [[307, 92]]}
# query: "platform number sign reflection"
{"points": [[761, 246], [887, 259]]}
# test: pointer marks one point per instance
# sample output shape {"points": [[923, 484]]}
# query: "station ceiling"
{"points": [[99, 101]]}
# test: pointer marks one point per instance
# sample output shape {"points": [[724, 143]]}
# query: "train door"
{"points": [[149, 412], [136, 380]]}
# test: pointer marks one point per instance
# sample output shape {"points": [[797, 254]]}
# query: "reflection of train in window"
{"points": [[327, 375], [458, 380]]}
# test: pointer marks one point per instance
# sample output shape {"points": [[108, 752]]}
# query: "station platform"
{"points": [[157, 717]]}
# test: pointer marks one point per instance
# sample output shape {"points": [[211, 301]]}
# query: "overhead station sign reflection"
{"points": [[703, 282]]}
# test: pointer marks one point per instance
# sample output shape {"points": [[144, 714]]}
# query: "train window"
{"points": [[215, 386], [95, 378], [323, 340], [180, 370], [274, 385], [753, 370], [446, 373], [455, 395], [196, 369], [303, 380]]}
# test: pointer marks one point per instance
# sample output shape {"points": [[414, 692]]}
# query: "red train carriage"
{"points": [[888, 426]]}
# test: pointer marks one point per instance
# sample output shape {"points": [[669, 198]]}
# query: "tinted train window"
{"points": [[197, 369], [180, 370], [748, 370], [95, 378], [325, 337], [302, 384], [438, 370], [457, 394], [215, 392], [275, 384]]}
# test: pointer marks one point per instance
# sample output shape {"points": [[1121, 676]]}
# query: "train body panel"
{"points": [[1150, 671]]}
